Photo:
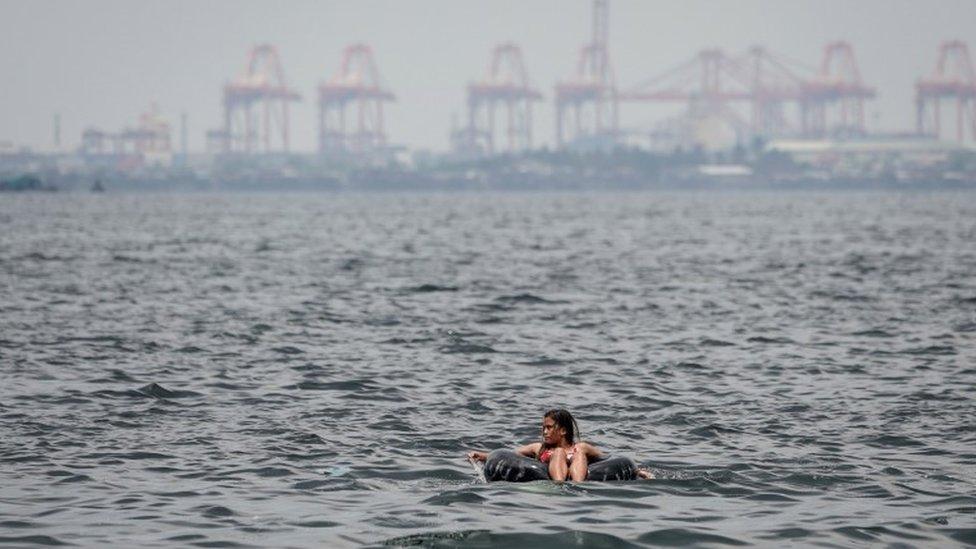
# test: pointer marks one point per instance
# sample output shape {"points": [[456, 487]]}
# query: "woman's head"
{"points": [[558, 426]]}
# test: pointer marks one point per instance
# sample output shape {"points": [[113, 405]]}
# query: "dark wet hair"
{"points": [[565, 420]]}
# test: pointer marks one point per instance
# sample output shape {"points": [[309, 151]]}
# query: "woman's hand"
{"points": [[477, 456], [645, 474]]}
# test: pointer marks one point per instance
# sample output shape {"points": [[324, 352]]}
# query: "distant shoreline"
{"points": [[135, 186]]}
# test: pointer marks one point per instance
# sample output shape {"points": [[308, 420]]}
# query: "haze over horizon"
{"points": [[102, 63]]}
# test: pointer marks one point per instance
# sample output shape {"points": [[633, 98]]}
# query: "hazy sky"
{"points": [[102, 62]]}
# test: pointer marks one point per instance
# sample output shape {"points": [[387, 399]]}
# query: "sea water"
{"points": [[308, 370]]}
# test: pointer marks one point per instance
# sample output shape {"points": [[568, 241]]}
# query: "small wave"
{"points": [[386, 320], [190, 350], [945, 396], [931, 350], [430, 288], [352, 264], [178, 494], [458, 496], [39, 256], [220, 544], [486, 538], [442, 473], [215, 511], [74, 478], [466, 349], [305, 438], [269, 472], [786, 533], [131, 455], [17, 524], [428, 538], [842, 296], [964, 535], [312, 484], [819, 481], [113, 339], [709, 342], [120, 375], [896, 441], [969, 502], [764, 339], [33, 540], [121, 258], [864, 533], [543, 361], [873, 333], [680, 537], [770, 496], [186, 537], [113, 394], [156, 390], [288, 350], [406, 341], [965, 327], [392, 424], [347, 385], [315, 524], [712, 430], [529, 299], [250, 339]]}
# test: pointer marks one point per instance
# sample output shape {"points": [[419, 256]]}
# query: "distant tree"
{"points": [[25, 182]]}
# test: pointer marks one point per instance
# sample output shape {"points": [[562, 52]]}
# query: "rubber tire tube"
{"points": [[506, 465], [612, 468]]}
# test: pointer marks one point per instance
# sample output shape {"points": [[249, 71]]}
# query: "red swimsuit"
{"points": [[546, 454]]}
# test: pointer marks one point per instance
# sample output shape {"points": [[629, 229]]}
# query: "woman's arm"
{"points": [[530, 450]]}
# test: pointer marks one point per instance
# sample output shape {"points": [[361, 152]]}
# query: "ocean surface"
{"points": [[308, 370]]}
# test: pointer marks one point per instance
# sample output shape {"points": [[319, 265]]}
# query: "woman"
{"points": [[565, 457]]}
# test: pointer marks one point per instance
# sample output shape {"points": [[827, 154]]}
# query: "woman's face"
{"points": [[552, 434]]}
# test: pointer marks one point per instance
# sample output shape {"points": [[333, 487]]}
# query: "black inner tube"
{"points": [[506, 465]]}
